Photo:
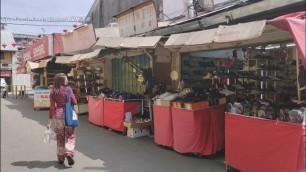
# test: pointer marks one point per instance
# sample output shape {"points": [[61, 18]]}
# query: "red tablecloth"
{"points": [[114, 113], [200, 131], [95, 110], [163, 129], [264, 145]]}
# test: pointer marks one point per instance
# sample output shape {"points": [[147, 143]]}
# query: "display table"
{"points": [[95, 110], [163, 129], [254, 144], [114, 113], [199, 131]]}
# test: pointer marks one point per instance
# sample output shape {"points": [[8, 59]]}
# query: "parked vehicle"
{"points": [[3, 87]]}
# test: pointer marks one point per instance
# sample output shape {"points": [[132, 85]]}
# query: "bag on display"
{"points": [[71, 117]]}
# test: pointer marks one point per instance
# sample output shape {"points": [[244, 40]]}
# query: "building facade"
{"points": [[8, 50]]}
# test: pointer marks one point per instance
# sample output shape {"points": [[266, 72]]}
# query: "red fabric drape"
{"points": [[200, 131], [163, 129], [264, 145], [295, 23], [114, 113], [95, 110]]}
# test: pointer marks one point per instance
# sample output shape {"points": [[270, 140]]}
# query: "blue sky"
{"points": [[43, 9]]}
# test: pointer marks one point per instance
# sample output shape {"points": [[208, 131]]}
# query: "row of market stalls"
{"points": [[236, 87]]}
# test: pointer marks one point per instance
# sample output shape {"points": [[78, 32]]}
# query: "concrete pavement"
{"points": [[97, 149]]}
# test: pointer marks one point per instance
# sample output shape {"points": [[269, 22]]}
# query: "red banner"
{"points": [[95, 110], [163, 128], [199, 131], [114, 113], [264, 145]]}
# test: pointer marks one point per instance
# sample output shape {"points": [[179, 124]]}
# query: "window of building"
{"points": [[2, 55]]}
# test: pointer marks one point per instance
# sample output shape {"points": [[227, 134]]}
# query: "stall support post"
{"points": [[304, 120]]}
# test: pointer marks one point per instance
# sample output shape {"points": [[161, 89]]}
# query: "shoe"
{"points": [[60, 162], [70, 159]]}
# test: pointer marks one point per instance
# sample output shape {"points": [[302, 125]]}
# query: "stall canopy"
{"points": [[86, 56], [31, 65], [243, 34], [63, 59], [129, 42], [43, 63], [295, 23]]}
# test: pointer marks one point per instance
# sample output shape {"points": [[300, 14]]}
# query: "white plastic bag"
{"points": [[128, 117], [48, 135]]}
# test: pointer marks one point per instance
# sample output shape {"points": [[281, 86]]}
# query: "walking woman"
{"points": [[65, 136]]}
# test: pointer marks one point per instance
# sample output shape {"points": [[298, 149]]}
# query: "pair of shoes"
{"points": [[70, 159]]}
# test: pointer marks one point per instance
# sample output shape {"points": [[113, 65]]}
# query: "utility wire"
{"points": [[38, 25]]}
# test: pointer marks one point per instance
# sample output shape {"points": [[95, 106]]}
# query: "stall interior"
{"points": [[89, 77]]}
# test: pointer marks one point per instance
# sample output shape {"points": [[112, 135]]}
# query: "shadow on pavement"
{"points": [[112, 148], [40, 164]]}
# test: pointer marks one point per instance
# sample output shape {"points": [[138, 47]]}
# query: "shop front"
{"points": [[261, 66]]}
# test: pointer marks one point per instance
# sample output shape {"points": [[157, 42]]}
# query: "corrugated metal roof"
{"points": [[8, 39]]}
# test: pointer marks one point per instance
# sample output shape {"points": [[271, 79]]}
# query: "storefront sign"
{"points": [[26, 55], [42, 48], [139, 19], [38, 50]]}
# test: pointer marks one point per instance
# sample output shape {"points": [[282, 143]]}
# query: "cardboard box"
{"points": [[166, 103], [138, 125], [158, 102], [137, 132], [204, 104], [192, 106]]}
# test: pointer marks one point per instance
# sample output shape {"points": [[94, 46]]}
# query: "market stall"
{"points": [[268, 81]]}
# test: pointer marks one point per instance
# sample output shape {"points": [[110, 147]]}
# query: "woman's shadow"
{"points": [[40, 164]]}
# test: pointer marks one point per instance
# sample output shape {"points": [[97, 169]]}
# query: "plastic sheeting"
{"points": [[264, 145], [163, 128], [114, 113], [95, 110], [200, 131]]}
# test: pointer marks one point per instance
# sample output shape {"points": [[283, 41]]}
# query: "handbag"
{"points": [[71, 117]]}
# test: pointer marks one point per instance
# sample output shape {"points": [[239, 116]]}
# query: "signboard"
{"points": [[26, 55], [80, 39], [41, 99], [39, 50], [138, 19], [42, 48]]}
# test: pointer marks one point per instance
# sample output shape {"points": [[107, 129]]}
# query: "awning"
{"points": [[129, 42], [239, 35], [86, 56], [295, 24], [63, 59], [31, 65], [43, 63]]}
